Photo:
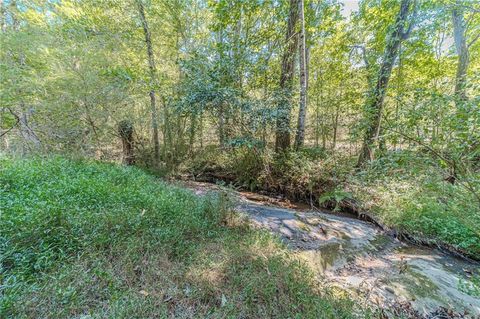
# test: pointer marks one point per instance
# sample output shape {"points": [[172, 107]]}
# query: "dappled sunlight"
{"points": [[239, 159]]}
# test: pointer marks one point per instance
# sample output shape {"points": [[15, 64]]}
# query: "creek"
{"points": [[357, 256]]}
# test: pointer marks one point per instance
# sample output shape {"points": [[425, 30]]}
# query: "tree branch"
{"points": [[413, 20], [473, 40], [6, 132], [16, 123]]}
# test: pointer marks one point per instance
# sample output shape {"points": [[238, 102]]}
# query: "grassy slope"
{"points": [[408, 192], [84, 238]]}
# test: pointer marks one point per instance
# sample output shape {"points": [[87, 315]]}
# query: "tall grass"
{"points": [[92, 240]]}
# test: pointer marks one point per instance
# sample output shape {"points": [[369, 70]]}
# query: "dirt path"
{"points": [[357, 256]]}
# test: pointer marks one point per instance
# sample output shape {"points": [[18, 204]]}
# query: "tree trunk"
{"points": [[459, 35], [221, 124], [224, 78], [375, 107], [317, 126], [302, 112], [125, 130], [335, 127], [193, 124], [201, 131], [3, 18], [31, 139], [282, 140], [153, 79]]}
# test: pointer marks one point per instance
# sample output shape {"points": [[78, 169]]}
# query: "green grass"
{"points": [[407, 191], [90, 240]]}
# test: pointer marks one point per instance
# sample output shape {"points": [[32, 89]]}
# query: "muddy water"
{"points": [[357, 256]]}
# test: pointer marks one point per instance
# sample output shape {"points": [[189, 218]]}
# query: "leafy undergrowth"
{"points": [[91, 240], [407, 191], [296, 175], [403, 190]]}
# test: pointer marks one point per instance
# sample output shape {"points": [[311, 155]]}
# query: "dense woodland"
{"points": [[369, 105], [392, 75]]}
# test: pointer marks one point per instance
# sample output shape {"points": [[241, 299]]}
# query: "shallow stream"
{"points": [[359, 257]]}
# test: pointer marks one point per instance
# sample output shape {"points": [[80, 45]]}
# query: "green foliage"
{"points": [[314, 153], [408, 191], [335, 196], [293, 174], [471, 286], [7, 121], [76, 205], [89, 238]]}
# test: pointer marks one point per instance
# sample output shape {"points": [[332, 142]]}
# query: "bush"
{"points": [[408, 192]]}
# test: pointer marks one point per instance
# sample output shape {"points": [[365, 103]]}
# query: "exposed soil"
{"points": [[348, 206]]}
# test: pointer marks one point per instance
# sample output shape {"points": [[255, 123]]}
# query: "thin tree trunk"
{"points": [[3, 18], [221, 107], [221, 124], [201, 130], [153, 79], [317, 125], [167, 133], [375, 107], [335, 127], [334, 133], [282, 140], [462, 47], [193, 124], [3, 28], [302, 112], [459, 35], [398, 102], [238, 53]]}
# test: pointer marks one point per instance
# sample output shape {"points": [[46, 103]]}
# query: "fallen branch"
{"points": [[13, 126]]}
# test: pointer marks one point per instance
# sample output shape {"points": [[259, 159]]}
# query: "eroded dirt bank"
{"points": [[355, 255]]}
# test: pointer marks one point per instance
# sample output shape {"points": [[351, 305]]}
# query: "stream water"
{"points": [[359, 257]]}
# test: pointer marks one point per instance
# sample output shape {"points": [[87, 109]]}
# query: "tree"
{"points": [[153, 78], [302, 112], [282, 140], [125, 130], [399, 32], [3, 22], [459, 37], [462, 48]]}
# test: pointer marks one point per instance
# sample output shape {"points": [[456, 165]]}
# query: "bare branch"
{"points": [[413, 20], [364, 53], [13, 126], [473, 40], [16, 123]]}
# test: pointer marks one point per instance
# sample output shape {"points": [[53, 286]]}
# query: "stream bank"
{"points": [[346, 206], [361, 258]]}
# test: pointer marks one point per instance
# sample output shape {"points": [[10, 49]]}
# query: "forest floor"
{"points": [[358, 256]]}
